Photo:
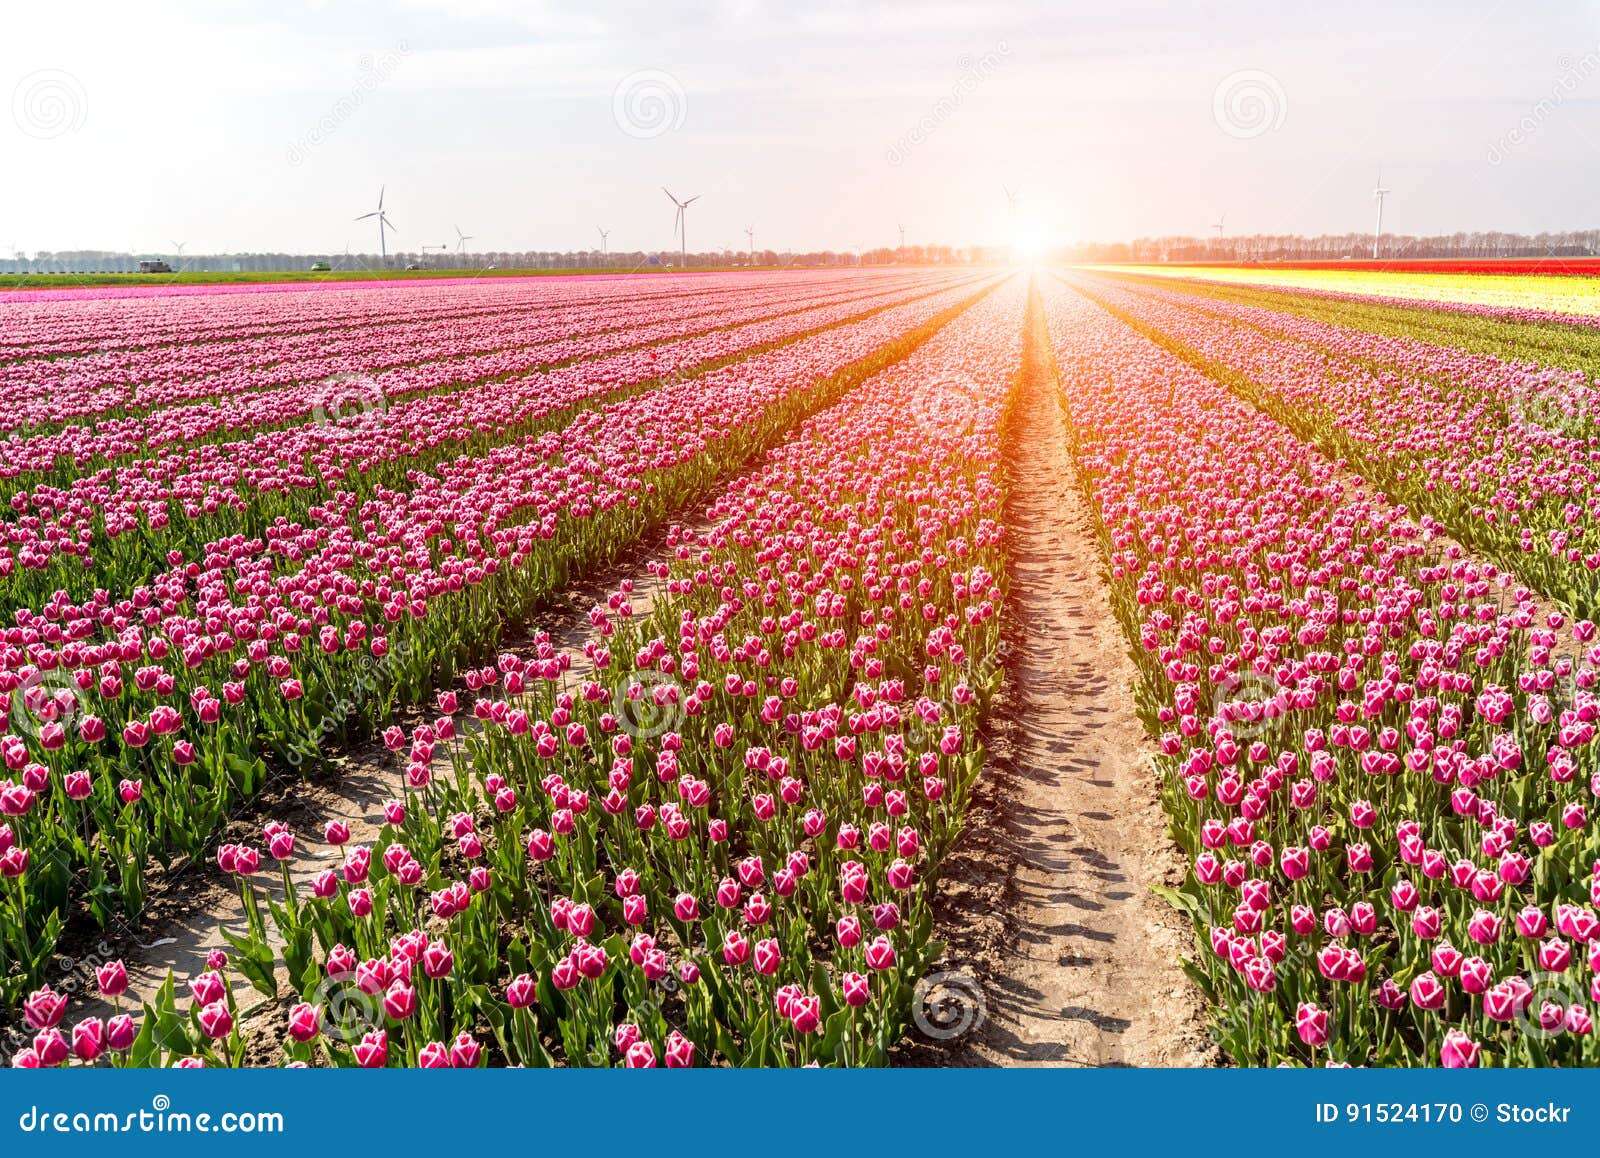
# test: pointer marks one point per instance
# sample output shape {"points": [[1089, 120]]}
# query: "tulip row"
{"points": [[714, 844], [91, 319], [131, 342], [136, 724], [1376, 750], [1516, 296], [1542, 343], [201, 385], [109, 528], [1505, 455]]}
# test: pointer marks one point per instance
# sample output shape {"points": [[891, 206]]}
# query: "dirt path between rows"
{"points": [[189, 909], [1046, 903]]}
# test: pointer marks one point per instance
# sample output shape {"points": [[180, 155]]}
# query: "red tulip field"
{"points": [[922, 665]]}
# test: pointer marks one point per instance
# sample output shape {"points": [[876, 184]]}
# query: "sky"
{"points": [[245, 126]]}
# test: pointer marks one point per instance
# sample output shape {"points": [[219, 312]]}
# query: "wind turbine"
{"points": [[383, 224], [462, 239], [680, 224], [751, 234], [605, 234], [178, 245], [1378, 195], [902, 236], [1013, 199]]}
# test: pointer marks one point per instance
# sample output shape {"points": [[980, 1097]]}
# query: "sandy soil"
{"points": [[1046, 905]]}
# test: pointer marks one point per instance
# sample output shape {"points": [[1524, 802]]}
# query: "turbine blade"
{"points": [[692, 200], [381, 188]]}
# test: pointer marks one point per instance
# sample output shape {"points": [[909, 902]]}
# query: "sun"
{"points": [[1029, 245]]}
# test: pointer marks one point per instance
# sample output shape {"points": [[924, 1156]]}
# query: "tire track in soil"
{"points": [[1045, 902]]}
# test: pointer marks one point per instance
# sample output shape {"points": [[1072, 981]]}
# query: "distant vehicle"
{"points": [[413, 265], [154, 267], [321, 267]]}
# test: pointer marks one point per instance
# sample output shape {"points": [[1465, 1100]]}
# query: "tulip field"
{"points": [[1356, 575], [1528, 290], [248, 534]]}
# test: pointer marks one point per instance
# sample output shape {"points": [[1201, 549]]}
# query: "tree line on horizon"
{"points": [[106, 261], [1460, 246]]}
